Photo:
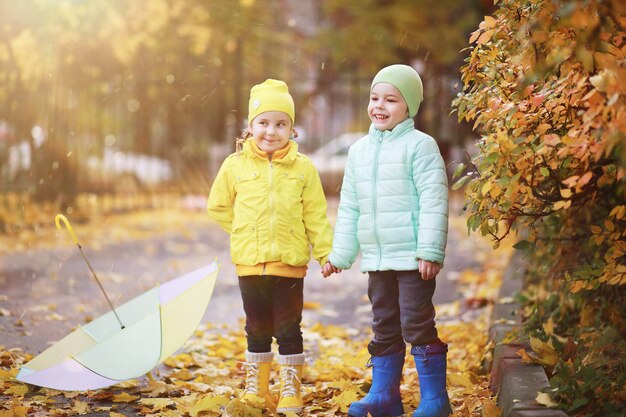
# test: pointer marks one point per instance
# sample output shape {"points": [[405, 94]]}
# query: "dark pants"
{"points": [[403, 311], [273, 307]]}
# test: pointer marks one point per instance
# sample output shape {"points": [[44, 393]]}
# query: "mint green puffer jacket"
{"points": [[394, 202]]}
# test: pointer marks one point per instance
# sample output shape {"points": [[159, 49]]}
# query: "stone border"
{"points": [[516, 383]]}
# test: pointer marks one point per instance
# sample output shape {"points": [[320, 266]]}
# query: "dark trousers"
{"points": [[273, 307], [403, 310]]}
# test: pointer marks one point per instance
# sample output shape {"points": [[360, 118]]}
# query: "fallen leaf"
{"points": [[123, 398], [545, 399]]}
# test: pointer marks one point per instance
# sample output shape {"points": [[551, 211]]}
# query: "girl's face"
{"points": [[387, 107], [271, 131]]}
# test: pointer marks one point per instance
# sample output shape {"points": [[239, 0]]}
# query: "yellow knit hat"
{"points": [[270, 95]]}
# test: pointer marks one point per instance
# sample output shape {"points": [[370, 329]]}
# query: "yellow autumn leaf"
{"points": [[18, 390], [486, 188], [344, 399], [490, 21], [80, 407], [183, 360], [545, 351], [114, 414], [490, 409], [236, 408], [7, 375], [603, 80], [524, 355], [209, 403], [577, 286], [545, 399], [458, 379], [123, 398], [562, 204], [566, 192], [474, 35], [495, 191], [548, 327], [618, 212], [485, 36], [156, 403], [543, 128], [183, 374]]}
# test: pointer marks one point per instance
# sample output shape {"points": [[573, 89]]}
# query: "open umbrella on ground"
{"points": [[127, 342]]}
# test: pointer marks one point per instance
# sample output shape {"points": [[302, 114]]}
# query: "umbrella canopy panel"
{"points": [[101, 353]]}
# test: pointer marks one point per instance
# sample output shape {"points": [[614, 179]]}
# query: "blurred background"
{"points": [[119, 98]]}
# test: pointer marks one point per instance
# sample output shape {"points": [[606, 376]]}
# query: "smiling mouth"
{"points": [[380, 117]]}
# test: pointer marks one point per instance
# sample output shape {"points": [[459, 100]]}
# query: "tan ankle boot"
{"points": [[291, 367], [256, 391]]}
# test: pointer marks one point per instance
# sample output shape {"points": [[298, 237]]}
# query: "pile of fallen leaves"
{"points": [[206, 377]]}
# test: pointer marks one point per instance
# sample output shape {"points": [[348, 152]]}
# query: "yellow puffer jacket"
{"points": [[274, 211]]}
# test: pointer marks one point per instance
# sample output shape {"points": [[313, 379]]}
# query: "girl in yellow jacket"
{"points": [[269, 198]]}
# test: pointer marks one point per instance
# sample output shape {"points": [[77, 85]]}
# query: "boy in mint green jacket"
{"points": [[394, 209]]}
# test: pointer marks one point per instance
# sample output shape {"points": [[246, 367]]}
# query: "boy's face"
{"points": [[271, 131], [387, 107]]}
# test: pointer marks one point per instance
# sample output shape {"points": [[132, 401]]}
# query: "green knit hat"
{"points": [[407, 81]]}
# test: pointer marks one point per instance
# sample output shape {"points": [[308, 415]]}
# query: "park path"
{"points": [[45, 293]]}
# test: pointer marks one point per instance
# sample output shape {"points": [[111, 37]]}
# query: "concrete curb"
{"points": [[516, 383]]}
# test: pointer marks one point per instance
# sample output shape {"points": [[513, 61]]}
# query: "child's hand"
{"points": [[328, 269], [428, 269]]}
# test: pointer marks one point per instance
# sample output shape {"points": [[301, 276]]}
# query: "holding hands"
{"points": [[328, 269]]}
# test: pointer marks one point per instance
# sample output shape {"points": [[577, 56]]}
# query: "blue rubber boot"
{"points": [[430, 362], [383, 399]]}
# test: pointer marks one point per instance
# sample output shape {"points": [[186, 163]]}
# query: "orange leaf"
{"points": [[485, 36], [584, 180]]}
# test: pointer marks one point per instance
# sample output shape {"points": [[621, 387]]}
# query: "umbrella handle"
{"points": [[61, 218]]}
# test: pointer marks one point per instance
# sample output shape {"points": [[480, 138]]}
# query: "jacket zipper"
{"points": [[374, 196], [271, 212]]}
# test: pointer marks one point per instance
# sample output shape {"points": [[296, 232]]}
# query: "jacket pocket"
{"points": [[244, 243], [289, 188], [251, 194], [299, 252]]}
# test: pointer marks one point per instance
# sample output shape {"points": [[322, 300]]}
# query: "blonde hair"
{"points": [[239, 141]]}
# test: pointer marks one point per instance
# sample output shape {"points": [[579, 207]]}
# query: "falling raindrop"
{"points": [[133, 105], [38, 135], [110, 140]]}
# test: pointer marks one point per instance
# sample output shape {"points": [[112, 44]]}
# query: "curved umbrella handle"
{"points": [[61, 218]]}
